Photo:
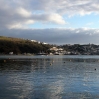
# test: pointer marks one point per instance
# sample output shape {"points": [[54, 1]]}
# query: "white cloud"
{"points": [[15, 26], [56, 18], [77, 31], [23, 12], [56, 6], [51, 11], [21, 25], [21, 22], [29, 22]]}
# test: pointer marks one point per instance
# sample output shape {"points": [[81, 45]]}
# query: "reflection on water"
{"points": [[49, 78]]}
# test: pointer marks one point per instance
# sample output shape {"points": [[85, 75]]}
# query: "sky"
{"points": [[51, 21]]}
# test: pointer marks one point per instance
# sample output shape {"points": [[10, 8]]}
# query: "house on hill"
{"points": [[57, 51]]}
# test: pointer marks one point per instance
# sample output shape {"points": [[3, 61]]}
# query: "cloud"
{"points": [[21, 22], [23, 12], [17, 15], [49, 17], [56, 18], [20, 25], [29, 22], [56, 36], [15, 26], [70, 7], [15, 12]]}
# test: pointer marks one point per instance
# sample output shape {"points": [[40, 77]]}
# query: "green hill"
{"points": [[20, 46]]}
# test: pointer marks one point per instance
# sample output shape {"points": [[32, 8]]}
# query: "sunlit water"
{"points": [[49, 77]]}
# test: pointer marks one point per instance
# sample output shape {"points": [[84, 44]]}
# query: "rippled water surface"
{"points": [[49, 77]]}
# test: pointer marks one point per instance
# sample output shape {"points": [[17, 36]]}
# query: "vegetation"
{"points": [[20, 46]]}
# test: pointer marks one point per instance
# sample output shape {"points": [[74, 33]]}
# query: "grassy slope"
{"points": [[11, 38]]}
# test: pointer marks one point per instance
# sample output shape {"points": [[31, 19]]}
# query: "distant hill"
{"points": [[20, 46]]}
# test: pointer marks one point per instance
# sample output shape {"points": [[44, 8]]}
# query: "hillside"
{"points": [[20, 46]]}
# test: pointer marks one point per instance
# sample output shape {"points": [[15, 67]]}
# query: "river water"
{"points": [[49, 77]]}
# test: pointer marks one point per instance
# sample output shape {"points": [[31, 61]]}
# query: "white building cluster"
{"points": [[38, 42], [57, 51]]}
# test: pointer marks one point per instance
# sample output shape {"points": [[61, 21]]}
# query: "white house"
{"points": [[11, 53]]}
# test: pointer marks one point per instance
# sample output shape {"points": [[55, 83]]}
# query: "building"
{"points": [[35, 41], [10, 53], [57, 51]]}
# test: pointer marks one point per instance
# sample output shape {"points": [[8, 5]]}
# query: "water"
{"points": [[49, 77]]}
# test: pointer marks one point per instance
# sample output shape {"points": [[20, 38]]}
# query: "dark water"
{"points": [[49, 77]]}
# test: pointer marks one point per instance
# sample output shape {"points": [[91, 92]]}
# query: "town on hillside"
{"points": [[68, 49], [16, 46], [76, 49]]}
